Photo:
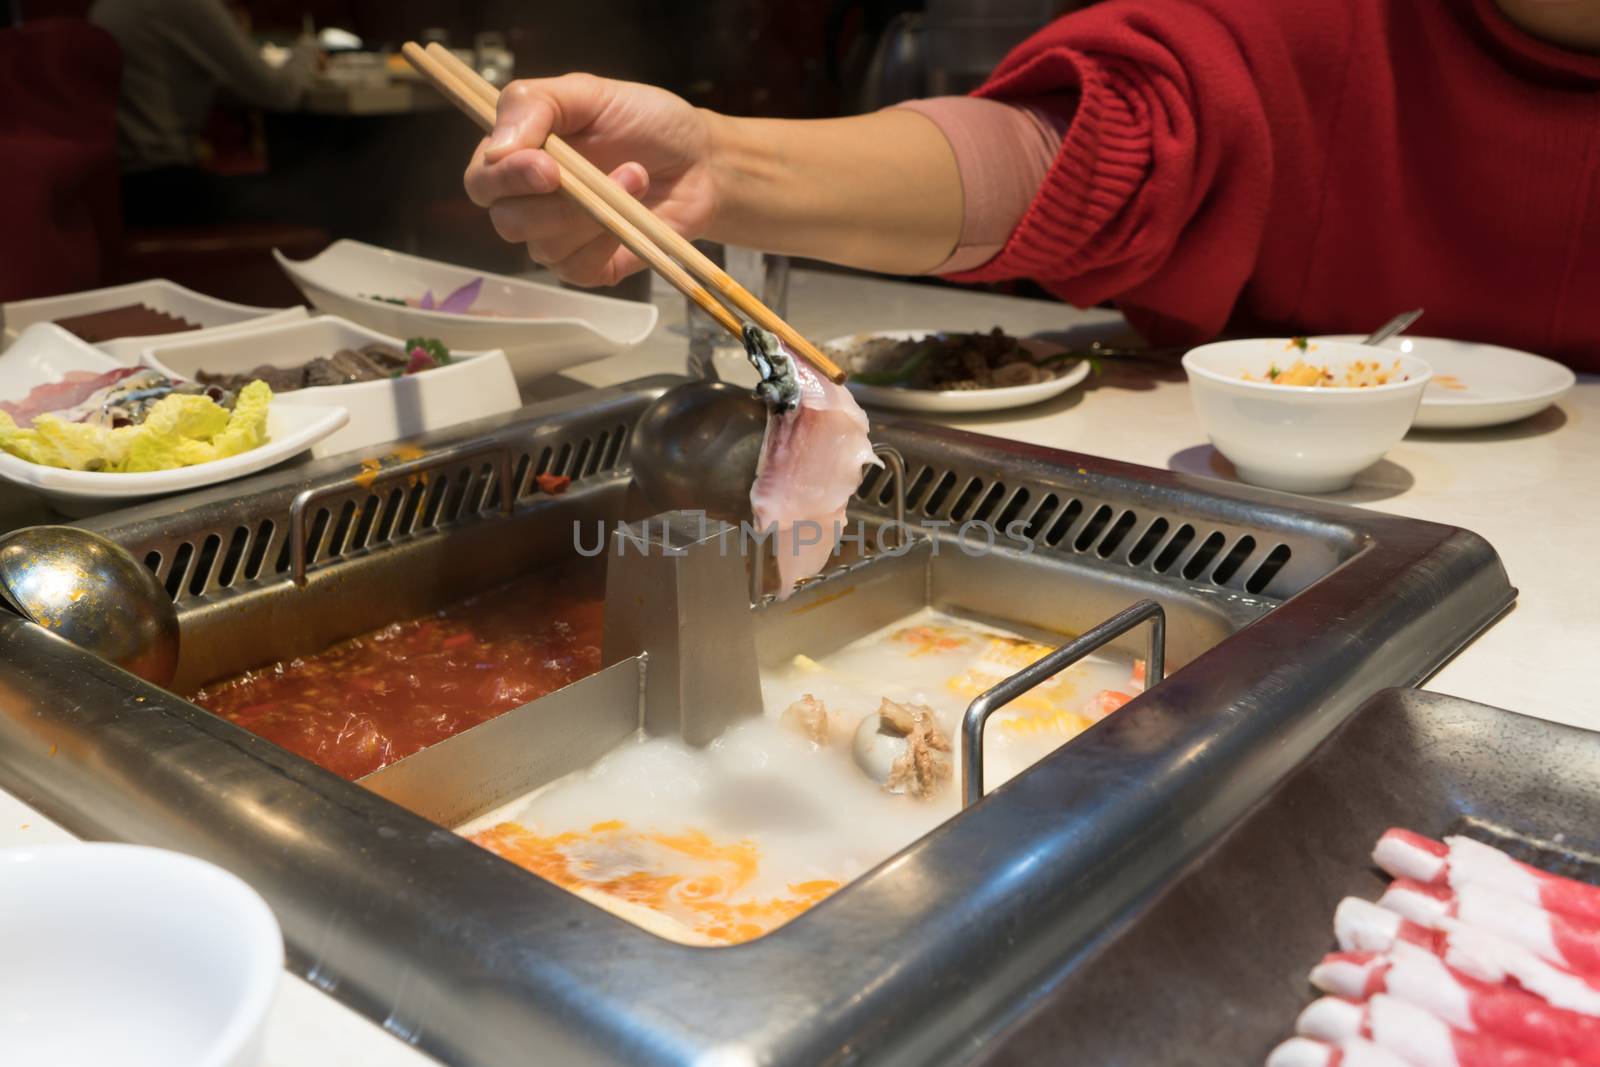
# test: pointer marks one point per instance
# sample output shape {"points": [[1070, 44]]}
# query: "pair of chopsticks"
{"points": [[668, 252]]}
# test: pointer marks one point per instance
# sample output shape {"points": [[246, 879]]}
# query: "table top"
{"points": [[1532, 489]]}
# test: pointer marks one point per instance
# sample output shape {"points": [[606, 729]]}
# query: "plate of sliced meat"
{"points": [[949, 371], [1423, 890]]}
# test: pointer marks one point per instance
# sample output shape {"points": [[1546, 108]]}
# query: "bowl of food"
{"points": [[392, 387], [542, 329], [1305, 416], [120, 319], [134, 956], [950, 371]]}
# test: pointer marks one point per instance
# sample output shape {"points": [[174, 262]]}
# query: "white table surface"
{"points": [[1532, 489]]}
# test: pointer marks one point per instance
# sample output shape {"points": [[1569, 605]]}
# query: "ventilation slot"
{"points": [[319, 527], [544, 463], [435, 502], [559, 468], [940, 492], [1093, 528], [1234, 559], [1063, 523], [519, 475], [391, 509], [864, 490], [1175, 548], [1202, 558], [1275, 561], [1115, 535], [258, 550], [579, 459], [1041, 515], [341, 531], [369, 517], [234, 556], [1014, 506], [180, 567], [969, 496], [1147, 543], [152, 560], [916, 488], [619, 437]]}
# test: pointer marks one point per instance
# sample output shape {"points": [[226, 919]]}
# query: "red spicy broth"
{"points": [[369, 701]]}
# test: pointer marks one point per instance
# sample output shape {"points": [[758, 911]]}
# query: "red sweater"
{"points": [[1315, 166]]}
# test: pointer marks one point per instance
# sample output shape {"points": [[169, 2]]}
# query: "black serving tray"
{"points": [[1215, 970]]}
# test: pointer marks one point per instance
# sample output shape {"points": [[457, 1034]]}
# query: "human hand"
{"points": [[652, 143]]}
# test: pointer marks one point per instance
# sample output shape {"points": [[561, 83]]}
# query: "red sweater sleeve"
{"points": [[1161, 192]]}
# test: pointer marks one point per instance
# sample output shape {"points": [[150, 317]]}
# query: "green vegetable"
{"points": [[1273, 372], [1300, 343]]}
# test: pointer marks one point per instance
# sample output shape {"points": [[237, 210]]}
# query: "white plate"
{"points": [[956, 400], [45, 352], [157, 293], [1497, 385], [541, 328], [117, 954], [472, 386]]}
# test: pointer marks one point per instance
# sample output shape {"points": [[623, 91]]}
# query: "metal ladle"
{"points": [[696, 449], [91, 591]]}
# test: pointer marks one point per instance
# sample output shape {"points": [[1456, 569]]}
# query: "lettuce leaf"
{"points": [[180, 431]]}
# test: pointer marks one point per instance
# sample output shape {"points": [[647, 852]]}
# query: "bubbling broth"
{"points": [[854, 757]]}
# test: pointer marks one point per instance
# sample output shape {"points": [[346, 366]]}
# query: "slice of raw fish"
{"points": [[1355, 1052], [73, 389], [1416, 1036], [1458, 861], [1417, 977], [811, 461], [1360, 925], [1560, 939]]}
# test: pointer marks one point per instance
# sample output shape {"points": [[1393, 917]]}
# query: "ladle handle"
{"points": [[998, 696]]}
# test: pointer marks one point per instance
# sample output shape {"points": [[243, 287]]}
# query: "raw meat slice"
{"points": [[1415, 1036], [811, 460], [1560, 939], [1466, 1003], [1458, 861]]}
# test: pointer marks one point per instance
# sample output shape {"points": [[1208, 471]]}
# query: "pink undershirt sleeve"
{"points": [[1003, 153]]}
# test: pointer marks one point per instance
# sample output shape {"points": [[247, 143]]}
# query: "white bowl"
{"points": [[1300, 438], [541, 328], [472, 386], [45, 353], [158, 293], [116, 954]]}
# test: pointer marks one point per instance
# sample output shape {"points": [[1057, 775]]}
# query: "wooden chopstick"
{"points": [[642, 221], [465, 97]]}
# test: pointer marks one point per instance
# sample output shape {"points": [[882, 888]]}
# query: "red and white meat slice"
{"points": [[1417, 977], [59, 396], [1560, 939], [1416, 1036], [1361, 925], [1458, 861]]}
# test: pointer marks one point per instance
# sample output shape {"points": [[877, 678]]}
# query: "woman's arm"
{"points": [[214, 41], [878, 191]]}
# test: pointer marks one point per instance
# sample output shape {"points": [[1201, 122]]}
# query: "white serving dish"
{"points": [[541, 328], [948, 401], [117, 954], [1300, 438], [472, 386], [45, 352], [1478, 385], [157, 293]]}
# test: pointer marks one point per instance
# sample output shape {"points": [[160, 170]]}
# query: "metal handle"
{"points": [[298, 550], [896, 466], [998, 696]]}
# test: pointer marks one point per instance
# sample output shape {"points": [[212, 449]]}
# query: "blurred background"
{"points": [[369, 153]]}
